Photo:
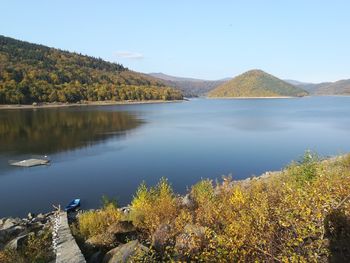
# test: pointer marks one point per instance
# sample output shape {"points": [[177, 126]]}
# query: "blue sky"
{"points": [[305, 40]]}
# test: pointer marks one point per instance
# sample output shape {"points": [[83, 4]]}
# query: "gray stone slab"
{"points": [[31, 162], [67, 249]]}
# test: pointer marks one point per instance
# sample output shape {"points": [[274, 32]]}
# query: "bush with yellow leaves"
{"points": [[155, 206], [294, 216], [301, 214], [96, 222]]}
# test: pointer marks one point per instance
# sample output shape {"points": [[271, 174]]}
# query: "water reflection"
{"points": [[183, 142], [57, 130]]}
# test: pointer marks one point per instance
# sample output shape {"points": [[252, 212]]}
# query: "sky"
{"points": [[305, 40]]}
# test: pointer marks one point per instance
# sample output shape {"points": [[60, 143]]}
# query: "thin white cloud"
{"points": [[129, 55]]}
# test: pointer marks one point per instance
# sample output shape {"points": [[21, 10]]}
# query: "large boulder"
{"points": [[191, 240], [97, 257], [122, 231], [10, 222], [99, 241], [124, 252], [40, 218], [30, 216], [18, 242], [187, 201], [117, 233], [7, 234], [126, 210], [122, 227], [15, 231], [162, 237]]}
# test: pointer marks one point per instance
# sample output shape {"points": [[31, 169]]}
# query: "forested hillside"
{"points": [[36, 73], [256, 83]]}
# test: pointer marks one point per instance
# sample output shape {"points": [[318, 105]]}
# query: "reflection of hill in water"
{"points": [[51, 131]]}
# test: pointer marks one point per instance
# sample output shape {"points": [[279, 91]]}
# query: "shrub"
{"points": [[155, 206], [93, 223], [305, 170], [203, 192], [106, 201], [346, 161]]}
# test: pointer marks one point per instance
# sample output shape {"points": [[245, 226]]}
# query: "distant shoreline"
{"points": [[247, 98], [282, 97], [87, 103]]}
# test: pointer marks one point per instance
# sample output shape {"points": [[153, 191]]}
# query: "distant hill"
{"points": [[189, 86], [296, 82], [173, 78], [341, 87], [256, 83], [309, 87], [36, 73]]}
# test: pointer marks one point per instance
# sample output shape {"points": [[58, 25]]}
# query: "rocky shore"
{"points": [[122, 237], [15, 233], [122, 241]]}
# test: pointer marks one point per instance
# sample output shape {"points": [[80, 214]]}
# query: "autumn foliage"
{"points": [[301, 214], [36, 73]]}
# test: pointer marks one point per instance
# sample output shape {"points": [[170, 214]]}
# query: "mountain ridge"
{"points": [[256, 83]]}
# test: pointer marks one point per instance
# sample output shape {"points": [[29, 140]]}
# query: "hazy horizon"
{"points": [[300, 41]]}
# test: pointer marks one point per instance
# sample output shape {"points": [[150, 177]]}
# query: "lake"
{"points": [[110, 150]]}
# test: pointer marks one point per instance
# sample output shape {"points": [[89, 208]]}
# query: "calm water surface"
{"points": [[111, 149]]}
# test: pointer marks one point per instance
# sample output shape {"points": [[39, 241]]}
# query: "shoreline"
{"points": [[282, 97], [245, 181], [45, 105], [248, 98], [85, 103]]}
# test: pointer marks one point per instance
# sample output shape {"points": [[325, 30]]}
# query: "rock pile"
{"points": [[14, 232]]}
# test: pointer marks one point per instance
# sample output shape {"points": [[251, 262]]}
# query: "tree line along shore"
{"points": [[82, 103]]}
